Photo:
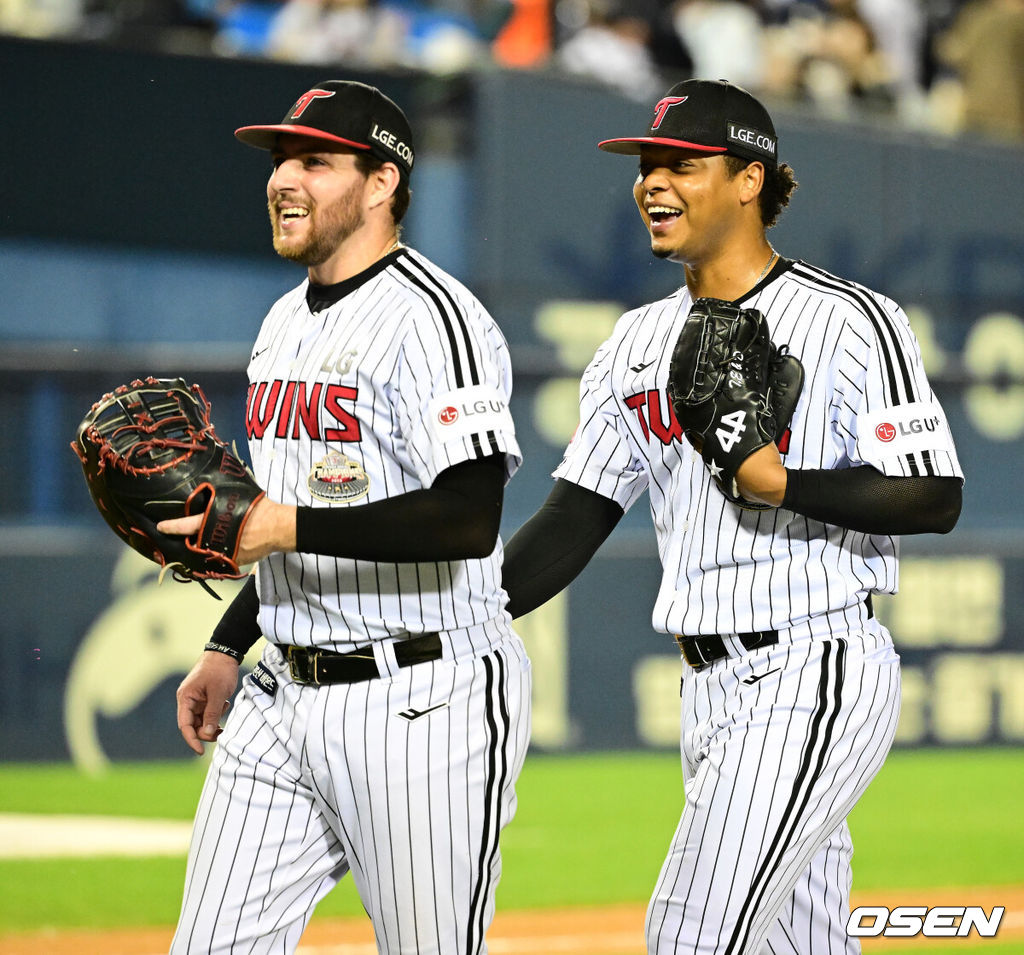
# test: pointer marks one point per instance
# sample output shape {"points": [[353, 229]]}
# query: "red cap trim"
{"points": [[261, 141], [608, 144]]}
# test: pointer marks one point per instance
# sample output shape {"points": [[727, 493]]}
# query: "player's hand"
{"points": [[204, 697], [762, 477], [270, 527]]}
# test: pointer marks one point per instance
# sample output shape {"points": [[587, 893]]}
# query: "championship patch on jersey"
{"points": [[469, 411], [904, 429], [338, 478]]}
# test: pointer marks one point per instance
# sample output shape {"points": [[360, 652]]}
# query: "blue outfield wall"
{"points": [[95, 646], [138, 244]]}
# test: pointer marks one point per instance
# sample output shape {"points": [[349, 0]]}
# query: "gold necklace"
{"points": [[394, 245], [764, 271]]}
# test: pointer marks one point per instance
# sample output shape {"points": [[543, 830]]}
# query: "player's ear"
{"points": [[382, 183], [751, 181]]}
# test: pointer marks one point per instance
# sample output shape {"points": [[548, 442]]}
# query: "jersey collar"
{"points": [[319, 297], [781, 265]]}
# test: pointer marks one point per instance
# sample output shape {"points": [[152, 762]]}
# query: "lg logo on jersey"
{"points": [[908, 921], [342, 364], [450, 414], [887, 432]]}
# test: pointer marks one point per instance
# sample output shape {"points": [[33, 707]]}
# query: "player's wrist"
{"points": [[280, 526], [271, 529], [762, 478], [774, 492], [222, 649]]}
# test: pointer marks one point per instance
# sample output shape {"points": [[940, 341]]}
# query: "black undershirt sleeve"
{"points": [[863, 499], [548, 552], [239, 627], [458, 517]]}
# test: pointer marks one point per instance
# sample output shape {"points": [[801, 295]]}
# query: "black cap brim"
{"points": [[632, 147], [265, 137]]}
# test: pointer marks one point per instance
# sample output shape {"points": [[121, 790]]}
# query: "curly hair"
{"points": [[779, 183]]}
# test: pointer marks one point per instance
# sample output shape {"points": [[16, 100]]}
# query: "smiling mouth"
{"points": [[290, 214], [662, 215]]}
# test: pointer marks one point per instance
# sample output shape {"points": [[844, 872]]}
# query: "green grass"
{"points": [[988, 948], [940, 818], [89, 893], [144, 790], [590, 829]]}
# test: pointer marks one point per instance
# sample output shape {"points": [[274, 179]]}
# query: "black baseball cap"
{"points": [[711, 116], [347, 112]]}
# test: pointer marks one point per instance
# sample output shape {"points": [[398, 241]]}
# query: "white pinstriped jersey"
{"points": [[865, 400], [374, 396]]}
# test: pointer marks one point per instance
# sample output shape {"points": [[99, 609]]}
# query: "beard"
{"points": [[329, 227]]}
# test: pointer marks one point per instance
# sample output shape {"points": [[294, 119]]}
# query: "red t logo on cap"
{"points": [[306, 98], [662, 108]]}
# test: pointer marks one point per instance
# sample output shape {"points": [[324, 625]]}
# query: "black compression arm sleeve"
{"points": [[548, 552], [239, 627], [863, 499], [460, 514], [456, 518]]}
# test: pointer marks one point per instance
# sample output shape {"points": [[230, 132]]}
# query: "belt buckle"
{"points": [[680, 640], [304, 668]]}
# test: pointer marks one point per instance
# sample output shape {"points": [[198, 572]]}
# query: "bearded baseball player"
{"points": [[780, 420], [384, 728]]}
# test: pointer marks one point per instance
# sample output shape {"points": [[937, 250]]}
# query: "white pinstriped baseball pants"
{"points": [[310, 783], [777, 747]]}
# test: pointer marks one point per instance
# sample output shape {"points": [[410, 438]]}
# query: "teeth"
{"points": [[662, 210], [291, 211]]}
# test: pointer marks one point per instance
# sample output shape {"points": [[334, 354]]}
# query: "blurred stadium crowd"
{"points": [[946, 66]]}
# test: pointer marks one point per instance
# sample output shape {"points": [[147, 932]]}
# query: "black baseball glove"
{"points": [[149, 452], [732, 390]]}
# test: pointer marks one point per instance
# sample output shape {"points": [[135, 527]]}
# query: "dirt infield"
{"points": [[611, 930]]}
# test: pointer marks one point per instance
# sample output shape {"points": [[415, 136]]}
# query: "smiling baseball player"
{"points": [[384, 728], [774, 526]]}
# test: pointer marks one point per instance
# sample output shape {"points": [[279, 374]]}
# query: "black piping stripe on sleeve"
{"points": [[828, 698], [452, 343], [431, 277], [878, 319], [452, 315]]}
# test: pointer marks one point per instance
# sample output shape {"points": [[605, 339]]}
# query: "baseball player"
{"points": [[790, 688], [384, 728]]}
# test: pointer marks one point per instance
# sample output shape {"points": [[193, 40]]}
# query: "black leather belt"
{"points": [[701, 652], [320, 667]]}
